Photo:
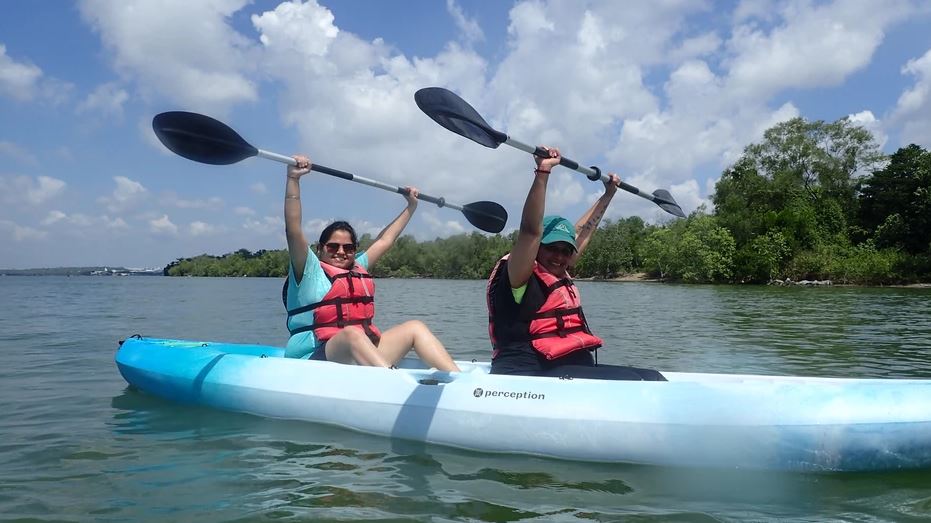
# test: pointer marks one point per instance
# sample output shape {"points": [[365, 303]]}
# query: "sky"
{"points": [[666, 93]]}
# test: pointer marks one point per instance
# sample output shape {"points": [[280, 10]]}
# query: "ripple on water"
{"points": [[76, 444]]}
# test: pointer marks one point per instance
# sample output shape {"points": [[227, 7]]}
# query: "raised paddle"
{"points": [[452, 112], [205, 140]]}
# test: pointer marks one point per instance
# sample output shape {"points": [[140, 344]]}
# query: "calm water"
{"points": [[77, 445]]}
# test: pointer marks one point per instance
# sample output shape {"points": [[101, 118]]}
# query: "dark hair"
{"points": [[337, 226]]}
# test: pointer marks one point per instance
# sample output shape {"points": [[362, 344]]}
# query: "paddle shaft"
{"points": [[591, 173], [439, 202]]}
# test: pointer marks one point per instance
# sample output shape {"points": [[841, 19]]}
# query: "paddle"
{"points": [[205, 140], [452, 112]]}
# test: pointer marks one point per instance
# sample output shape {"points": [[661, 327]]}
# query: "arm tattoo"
{"points": [[593, 221]]}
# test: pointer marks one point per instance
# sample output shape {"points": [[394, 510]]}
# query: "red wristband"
{"points": [[538, 171]]}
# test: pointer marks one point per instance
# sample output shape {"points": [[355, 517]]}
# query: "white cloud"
{"points": [[20, 189], [105, 102], [199, 228], [126, 193], [759, 9], [185, 52], [46, 189], [211, 203], [115, 223], [264, 226], [868, 121], [696, 47], [440, 227], [17, 80], [244, 211], [361, 227], [163, 225], [816, 45], [305, 28], [529, 18], [345, 96], [313, 227], [468, 27], [26, 82], [18, 153], [21, 232], [688, 195], [53, 217], [565, 189], [77, 221], [711, 114], [603, 49], [913, 109], [597, 99]]}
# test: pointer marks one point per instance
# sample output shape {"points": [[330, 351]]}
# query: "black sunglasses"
{"points": [[333, 247]]}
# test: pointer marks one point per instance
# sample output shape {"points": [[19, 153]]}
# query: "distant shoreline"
{"points": [[83, 271]]}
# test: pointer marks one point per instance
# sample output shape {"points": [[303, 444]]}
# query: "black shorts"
{"points": [[319, 354], [519, 359]]}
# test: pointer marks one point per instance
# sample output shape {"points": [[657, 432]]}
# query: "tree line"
{"points": [[813, 200]]}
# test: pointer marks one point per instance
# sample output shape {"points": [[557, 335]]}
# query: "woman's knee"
{"points": [[415, 326], [415, 329]]}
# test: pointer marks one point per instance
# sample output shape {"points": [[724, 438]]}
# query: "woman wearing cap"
{"points": [[330, 295], [536, 323]]}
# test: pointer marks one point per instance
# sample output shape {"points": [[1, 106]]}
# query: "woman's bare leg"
{"points": [[351, 345], [397, 341]]}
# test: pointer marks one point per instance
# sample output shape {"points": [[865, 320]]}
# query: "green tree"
{"points": [[694, 250], [659, 252], [614, 249], [895, 202], [798, 188], [762, 259]]}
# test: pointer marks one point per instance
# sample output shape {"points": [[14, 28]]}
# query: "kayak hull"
{"points": [[694, 420]]}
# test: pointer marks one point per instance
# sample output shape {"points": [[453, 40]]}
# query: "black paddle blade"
{"points": [[201, 138], [668, 203], [452, 112], [487, 216]]}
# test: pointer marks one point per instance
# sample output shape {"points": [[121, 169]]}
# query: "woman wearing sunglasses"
{"points": [[537, 327], [331, 296]]}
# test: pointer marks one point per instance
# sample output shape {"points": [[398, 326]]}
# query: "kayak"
{"points": [[692, 420]]}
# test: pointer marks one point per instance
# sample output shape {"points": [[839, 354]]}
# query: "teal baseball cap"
{"points": [[558, 229]]}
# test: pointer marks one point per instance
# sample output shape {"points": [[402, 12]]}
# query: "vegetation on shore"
{"points": [[811, 201]]}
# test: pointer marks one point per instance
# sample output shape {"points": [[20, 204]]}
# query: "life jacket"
{"points": [[350, 301], [558, 327]]}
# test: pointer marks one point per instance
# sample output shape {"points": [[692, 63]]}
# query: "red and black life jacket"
{"points": [[350, 301], [558, 327]]}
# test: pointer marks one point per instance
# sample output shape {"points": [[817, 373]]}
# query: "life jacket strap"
{"points": [[331, 301], [557, 313], [562, 333]]}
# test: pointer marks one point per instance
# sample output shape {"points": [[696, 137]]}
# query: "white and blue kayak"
{"points": [[694, 420]]}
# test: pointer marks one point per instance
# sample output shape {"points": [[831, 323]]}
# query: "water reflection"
{"points": [[285, 469], [77, 444]]}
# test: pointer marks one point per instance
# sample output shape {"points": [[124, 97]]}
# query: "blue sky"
{"points": [[666, 93]]}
